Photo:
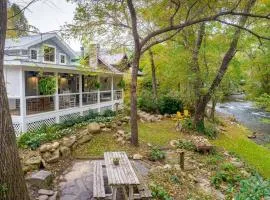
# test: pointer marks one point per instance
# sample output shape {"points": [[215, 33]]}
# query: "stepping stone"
{"points": [[45, 192], [40, 179]]}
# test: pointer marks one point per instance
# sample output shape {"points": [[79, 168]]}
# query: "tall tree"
{"points": [[148, 23], [203, 99], [12, 183]]}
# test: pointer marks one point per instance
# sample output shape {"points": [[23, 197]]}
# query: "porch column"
{"points": [[112, 89], [80, 91], [98, 79], [22, 101], [56, 103]]}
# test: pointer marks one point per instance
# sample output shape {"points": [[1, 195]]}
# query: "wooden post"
{"points": [[182, 159]]}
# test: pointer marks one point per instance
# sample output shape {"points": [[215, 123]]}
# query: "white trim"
{"points": [[30, 54], [65, 55], [52, 46]]}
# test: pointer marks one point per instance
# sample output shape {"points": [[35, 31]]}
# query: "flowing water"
{"points": [[247, 114]]}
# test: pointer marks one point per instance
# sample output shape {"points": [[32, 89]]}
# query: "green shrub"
{"points": [[109, 113], [156, 154], [253, 188], [175, 179], [158, 192], [33, 139], [170, 105], [185, 144], [263, 102], [146, 102], [210, 131], [187, 124], [227, 173]]}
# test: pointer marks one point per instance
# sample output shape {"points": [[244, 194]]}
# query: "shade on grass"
{"points": [[160, 133], [235, 140]]}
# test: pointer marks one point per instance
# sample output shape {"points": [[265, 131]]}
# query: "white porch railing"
{"points": [[105, 96], [89, 98], [69, 100], [60, 107], [39, 104]]}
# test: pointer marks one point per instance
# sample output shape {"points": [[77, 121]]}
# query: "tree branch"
{"points": [[23, 9], [192, 22], [245, 29], [160, 41]]}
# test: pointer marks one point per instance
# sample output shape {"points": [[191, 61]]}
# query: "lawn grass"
{"points": [[235, 140], [158, 133], [99, 144]]}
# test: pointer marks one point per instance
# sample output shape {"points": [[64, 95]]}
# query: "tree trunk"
{"points": [[198, 83], [213, 108], [154, 78], [133, 103], [12, 183], [203, 100], [135, 67]]}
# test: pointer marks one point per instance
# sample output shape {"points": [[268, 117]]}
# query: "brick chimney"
{"points": [[94, 51]]}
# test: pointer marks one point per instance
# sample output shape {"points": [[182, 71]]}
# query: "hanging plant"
{"points": [[121, 84], [97, 85], [47, 85]]}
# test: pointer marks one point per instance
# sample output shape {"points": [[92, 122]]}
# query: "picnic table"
{"points": [[122, 176]]}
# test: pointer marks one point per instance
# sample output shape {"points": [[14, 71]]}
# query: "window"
{"points": [[33, 54], [62, 58], [49, 54]]}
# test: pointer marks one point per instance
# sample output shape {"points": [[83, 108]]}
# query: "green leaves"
{"points": [[46, 85], [253, 188], [156, 154], [158, 192]]}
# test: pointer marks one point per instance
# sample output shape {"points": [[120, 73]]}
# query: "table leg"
{"points": [[114, 191], [131, 196], [125, 193]]}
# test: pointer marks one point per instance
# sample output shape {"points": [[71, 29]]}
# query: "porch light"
{"points": [[33, 79]]}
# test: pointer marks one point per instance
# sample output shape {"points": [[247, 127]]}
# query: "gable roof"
{"points": [[23, 43], [108, 65], [114, 59]]}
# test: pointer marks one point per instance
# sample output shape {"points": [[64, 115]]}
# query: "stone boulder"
{"points": [[93, 128], [65, 151], [45, 192], [43, 148], [33, 161], [51, 157], [41, 179], [69, 141], [84, 138], [173, 143], [137, 157], [105, 129], [43, 197]]}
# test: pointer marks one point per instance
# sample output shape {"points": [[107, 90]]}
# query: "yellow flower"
{"points": [[186, 113]]}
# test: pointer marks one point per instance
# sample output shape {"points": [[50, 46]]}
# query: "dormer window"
{"points": [[62, 58], [49, 54], [33, 54]]}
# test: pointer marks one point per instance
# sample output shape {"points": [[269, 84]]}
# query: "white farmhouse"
{"points": [[46, 84]]}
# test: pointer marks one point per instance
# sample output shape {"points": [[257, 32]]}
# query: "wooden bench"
{"points": [[144, 192], [98, 185]]}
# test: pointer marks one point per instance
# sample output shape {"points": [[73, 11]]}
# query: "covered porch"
{"points": [[47, 92]]}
